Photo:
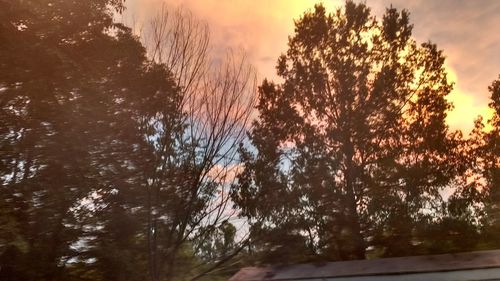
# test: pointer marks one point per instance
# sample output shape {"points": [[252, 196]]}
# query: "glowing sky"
{"points": [[467, 31]]}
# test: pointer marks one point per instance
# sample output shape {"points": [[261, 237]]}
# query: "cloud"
{"points": [[468, 33], [225, 174], [465, 30], [261, 28]]}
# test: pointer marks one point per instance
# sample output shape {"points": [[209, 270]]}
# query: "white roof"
{"points": [[482, 265]]}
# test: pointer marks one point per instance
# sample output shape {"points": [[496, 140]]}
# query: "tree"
{"points": [[114, 166], [195, 154], [39, 178], [485, 168], [351, 151], [71, 149], [492, 164]]}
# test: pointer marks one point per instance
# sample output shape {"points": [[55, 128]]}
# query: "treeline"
{"points": [[128, 157], [115, 162]]}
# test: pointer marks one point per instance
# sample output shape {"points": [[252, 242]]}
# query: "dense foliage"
{"points": [[103, 177], [351, 154], [122, 160]]}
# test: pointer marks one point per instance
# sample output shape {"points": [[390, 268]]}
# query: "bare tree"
{"points": [[196, 151]]}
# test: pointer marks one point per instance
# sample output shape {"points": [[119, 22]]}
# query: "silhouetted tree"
{"points": [[352, 149], [486, 168], [74, 87], [122, 161], [188, 198]]}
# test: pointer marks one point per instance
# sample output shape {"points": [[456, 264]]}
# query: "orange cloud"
{"points": [[261, 29]]}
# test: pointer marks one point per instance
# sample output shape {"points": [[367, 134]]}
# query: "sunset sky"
{"points": [[467, 31]]}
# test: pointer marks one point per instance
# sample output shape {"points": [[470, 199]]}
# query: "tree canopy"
{"points": [[129, 158], [351, 152], [110, 169]]}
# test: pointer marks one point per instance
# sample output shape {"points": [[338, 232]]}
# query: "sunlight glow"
{"points": [[466, 107], [261, 29]]}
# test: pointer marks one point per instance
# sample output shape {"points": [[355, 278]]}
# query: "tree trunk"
{"points": [[359, 250]]}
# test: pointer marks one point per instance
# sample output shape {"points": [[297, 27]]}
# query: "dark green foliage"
{"points": [[116, 166], [74, 86], [107, 172]]}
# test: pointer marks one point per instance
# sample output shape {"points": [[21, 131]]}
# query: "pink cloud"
{"points": [[466, 30]]}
